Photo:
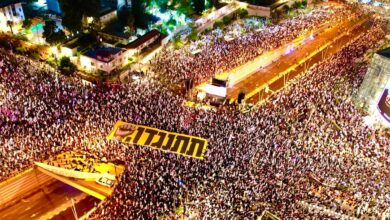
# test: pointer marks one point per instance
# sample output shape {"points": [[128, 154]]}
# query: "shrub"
{"points": [[35, 56], [304, 3], [21, 37], [219, 24], [296, 4], [226, 20], [20, 50], [193, 35], [27, 24], [268, 22], [51, 62], [286, 8], [66, 66], [177, 45], [242, 12], [176, 38], [208, 30]]}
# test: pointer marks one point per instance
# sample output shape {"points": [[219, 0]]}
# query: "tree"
{"points": [[219, 24], [199, 6], [51, 33], [304, 3], [139, 12], [226, 20], [242, 12], [182, 6], [215, 3], [10, 25], [193, 36], [126, 17], [75, 10], [268, 22], [66, 66], [27, 24], [286, 8], [296, 4], [177, 43]]}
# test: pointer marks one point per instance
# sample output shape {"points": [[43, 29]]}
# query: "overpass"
{"points": [[95, 178]]}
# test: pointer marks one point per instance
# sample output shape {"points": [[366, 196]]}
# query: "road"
{"points": [[260, 95], [52, 202], [258, 80]]}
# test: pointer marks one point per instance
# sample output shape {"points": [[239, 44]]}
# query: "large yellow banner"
{"points": [[159, 139]]}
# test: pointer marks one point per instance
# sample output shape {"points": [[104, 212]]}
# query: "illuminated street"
{"points": [[300, 58]]}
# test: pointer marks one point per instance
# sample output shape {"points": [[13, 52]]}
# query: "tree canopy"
{"points": [[138, 9], [51, 33], [66, 66], [75, 10], [126, 17], [199, 6]]}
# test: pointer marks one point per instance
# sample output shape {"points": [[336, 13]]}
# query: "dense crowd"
{"points": [[308, 143], [213, 53]]}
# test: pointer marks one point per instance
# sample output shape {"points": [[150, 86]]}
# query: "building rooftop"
{"points": [[4, 3], [105, 10], [144, 38], [385, 52], [104, 54], [116, 29]]}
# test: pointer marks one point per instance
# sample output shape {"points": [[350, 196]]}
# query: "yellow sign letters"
{"points": [[163, 140]]}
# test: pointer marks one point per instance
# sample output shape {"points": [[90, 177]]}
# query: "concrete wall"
{"points": [[20, 186], [89, 64], [254, 10], [208, 21]]}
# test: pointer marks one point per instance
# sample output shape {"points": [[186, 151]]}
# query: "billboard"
{"points": [[182, 144]]}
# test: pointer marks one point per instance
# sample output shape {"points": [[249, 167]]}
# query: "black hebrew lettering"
{"points": [[179, 140], [152, 133], [127, 139], [196, 142], [160, 141], [171, 138], [140, 130]]}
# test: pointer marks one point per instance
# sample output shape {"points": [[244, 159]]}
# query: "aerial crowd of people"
{"points": [[213, 54], [308, 143]]}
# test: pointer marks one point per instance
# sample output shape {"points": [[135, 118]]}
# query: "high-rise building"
{"points": [[11, 14]]}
